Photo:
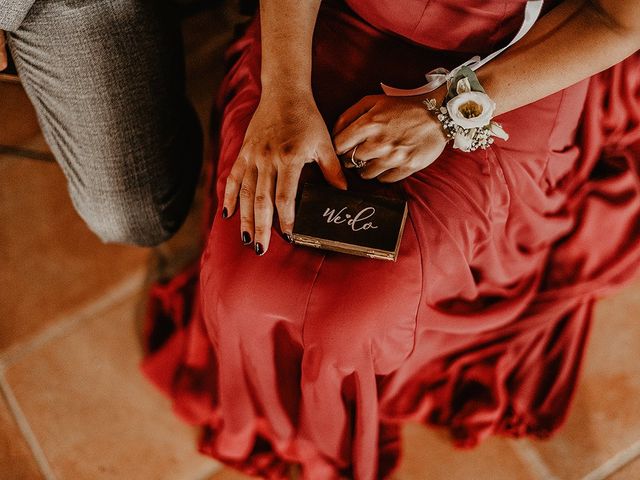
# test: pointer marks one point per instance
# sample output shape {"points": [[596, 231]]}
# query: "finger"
{"points": [[372, 148], [353, 112], [286, 189], [357, 132], [346, 161], [349, 158], [247, 195], [352, 158], [395, 175], [3, 51], [232, 188], [331, 168], [263, 209], [375, 167]]}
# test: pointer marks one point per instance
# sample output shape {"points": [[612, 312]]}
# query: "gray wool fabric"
{"points": [[106, 78], [12, 13]]}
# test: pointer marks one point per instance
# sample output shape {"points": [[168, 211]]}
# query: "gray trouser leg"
{"points": [[107, 80]]}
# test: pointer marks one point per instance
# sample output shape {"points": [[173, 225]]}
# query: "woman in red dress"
{"points": [[315, 358]]}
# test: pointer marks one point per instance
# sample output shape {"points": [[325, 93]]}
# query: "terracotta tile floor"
{"points": [[16, 459], [74, 405], [631, 471]]}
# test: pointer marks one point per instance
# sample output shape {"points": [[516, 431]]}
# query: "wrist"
{"points": [[279, 77], [279, 89], [285, 101], [439, 95]]}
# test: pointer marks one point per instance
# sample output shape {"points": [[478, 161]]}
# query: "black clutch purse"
{"points": [[357, 223]]}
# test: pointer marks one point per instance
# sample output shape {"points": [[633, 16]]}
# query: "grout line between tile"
{"points": [[615, 463], [532, 459], [25, 428], [68, 322]]}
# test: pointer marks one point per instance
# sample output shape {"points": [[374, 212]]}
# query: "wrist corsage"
{"points": [[466, 112]]}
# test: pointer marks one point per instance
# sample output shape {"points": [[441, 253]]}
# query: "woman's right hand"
{"points": [[286, 132]]}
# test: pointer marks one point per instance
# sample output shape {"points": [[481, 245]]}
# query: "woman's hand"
{"points": [[395, 136], [286, 132]]}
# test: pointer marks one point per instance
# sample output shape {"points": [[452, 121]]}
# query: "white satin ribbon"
{"points": [[438, 76]]}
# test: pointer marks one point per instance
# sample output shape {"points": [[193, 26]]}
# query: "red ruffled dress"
{"points": [[480, 326]]}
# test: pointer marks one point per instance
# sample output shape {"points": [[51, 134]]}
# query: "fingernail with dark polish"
{"points": [[287, 237], [246, 238], [259, 249], [225, 212]]}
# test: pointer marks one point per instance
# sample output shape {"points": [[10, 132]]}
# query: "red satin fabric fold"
{"points": [[316, 358]]}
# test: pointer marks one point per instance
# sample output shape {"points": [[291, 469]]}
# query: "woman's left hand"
{"points": [[395, 136]]}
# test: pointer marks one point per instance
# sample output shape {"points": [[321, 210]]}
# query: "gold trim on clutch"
{"points": [[326, 244]]}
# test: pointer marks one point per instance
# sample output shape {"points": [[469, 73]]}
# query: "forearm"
{"points": [[575, 40], [286, 34]]}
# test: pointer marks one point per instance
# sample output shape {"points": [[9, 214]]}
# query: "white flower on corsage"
{"points": [[464, 140], [471, 109], [466, 118], [497, 131]]}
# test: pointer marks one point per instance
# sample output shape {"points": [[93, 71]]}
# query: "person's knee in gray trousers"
{"points": [[107, 80]]}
